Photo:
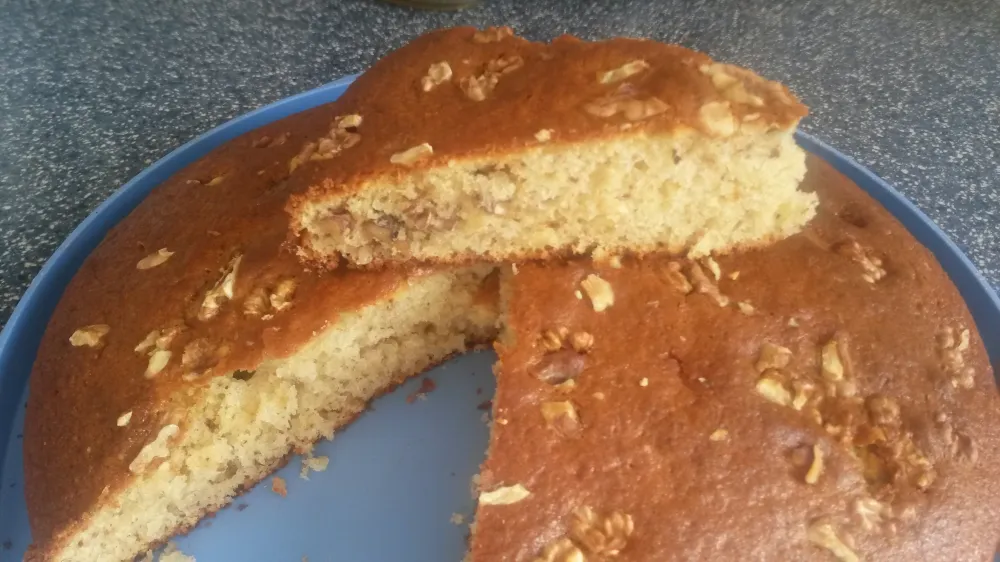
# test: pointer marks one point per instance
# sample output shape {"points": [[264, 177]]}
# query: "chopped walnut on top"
{"points": [[561, 550], [343, 135], [951, 352], [412, 155], [600, 292], [601, 535], [477, 88], [504, 495], [543, 135], [220, 292], [822, 534], [89, 336], [731, 87], [624, 101], [622, 72], [872, 269], [437, 74], [492, 34], [772, 356], [816, 468], [158, 257], [718, 118]]}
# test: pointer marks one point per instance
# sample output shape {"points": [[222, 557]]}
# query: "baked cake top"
{"points": [[825, 398]]}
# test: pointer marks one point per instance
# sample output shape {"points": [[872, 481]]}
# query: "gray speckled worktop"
{"points": [[93, 91]]}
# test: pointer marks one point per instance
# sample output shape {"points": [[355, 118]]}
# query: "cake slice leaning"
{"points": [[468, 145], [192, 354], [827, 398]]}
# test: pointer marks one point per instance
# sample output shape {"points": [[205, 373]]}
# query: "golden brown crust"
{"points": [[671, 432], [73, 445], [550, 87]]}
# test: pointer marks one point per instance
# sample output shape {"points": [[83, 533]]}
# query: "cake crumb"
{"points": [[173, 554], [457, 519], [720, 434], [313, 464], [426, 386], [278, 486]]}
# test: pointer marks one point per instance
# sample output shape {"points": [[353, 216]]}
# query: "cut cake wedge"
{"points": [[468, 145]]}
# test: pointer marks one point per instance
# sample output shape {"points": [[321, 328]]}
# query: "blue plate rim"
{"points": [[979, 295]]}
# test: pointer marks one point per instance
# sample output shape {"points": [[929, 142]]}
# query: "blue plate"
{"points": [[402, 470]]}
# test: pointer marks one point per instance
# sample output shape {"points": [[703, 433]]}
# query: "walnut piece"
{"points": [[477, 88], [624, 71], [154, 450], [543, 135], [871, 265], [581, 342], [552, 340], [623, 101], [720, 434], [412, 155], [746, 308], [157, 362], [871, 513], [123, 419], [772, 356], [342, 135], [492, 34], [771, 387], [437, 74], [601, 535], [832, 366], [158, 257], [731, 87], [89, 336], [504, 495], [600, 292], [718, 118], [952, 356], [561, 417], [822, 534], [561, 550], [816, 468], [281, 297], [220, 292]]}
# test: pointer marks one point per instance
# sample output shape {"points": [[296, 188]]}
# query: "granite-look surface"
{"points": [[93, 91]]}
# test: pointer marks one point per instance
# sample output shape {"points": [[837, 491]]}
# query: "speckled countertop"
{"points": [[93, 91]]}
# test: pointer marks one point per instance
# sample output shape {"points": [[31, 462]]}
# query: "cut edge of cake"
{"points": [[232, 433]]}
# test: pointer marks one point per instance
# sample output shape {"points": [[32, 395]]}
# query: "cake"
{"points": [[192, 353], [826, 398], [474, 145]]}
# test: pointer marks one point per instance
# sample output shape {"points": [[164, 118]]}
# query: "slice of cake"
{"points": [[191, 355], [826, 399], [468, 145]]}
